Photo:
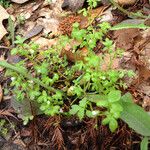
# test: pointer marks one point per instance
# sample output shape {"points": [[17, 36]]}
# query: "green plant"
{"points": [[5, 3], [21, 19], [48, 79], [91, 4], [144, 144], [3, 129]]}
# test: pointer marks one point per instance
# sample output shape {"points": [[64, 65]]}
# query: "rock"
{"points": [[72, 5], [19, 1]]}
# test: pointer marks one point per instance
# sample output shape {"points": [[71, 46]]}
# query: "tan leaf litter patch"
{"points": [[125, 38], [3, 15]]}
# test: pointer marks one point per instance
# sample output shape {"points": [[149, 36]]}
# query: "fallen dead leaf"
{"points": [[95, 14], [43, 42], [76, 56], [19, 1], [106, 62], [125, 38], [33, 32], [3, 15], [125, 2], [1, 93], [50, 25]]}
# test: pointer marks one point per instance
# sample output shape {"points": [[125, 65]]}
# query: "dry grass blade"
{"points": [[7, 112], [57, 138]]}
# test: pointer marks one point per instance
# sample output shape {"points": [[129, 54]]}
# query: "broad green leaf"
{"points": [[127, 26], [136, 118], [114, 96], [127, 98], [106, 120], [144, 144]]}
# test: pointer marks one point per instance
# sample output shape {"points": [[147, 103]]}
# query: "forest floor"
{"points": [[43, 22]]}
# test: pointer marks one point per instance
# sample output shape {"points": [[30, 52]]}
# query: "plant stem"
{"points": [[23, 72]]}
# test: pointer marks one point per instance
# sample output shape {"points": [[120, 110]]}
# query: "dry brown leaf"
{"points": [[106, 62], [50, 25], [125, 38], [3, 15], [43, 42], [94, 14], [125, 2], [1, 93]]}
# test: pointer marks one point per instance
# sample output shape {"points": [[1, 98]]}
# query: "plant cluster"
{"points": [[45, 77], [83, 88], [91, 4]]}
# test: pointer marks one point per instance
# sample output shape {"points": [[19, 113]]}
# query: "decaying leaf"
{"points": [[3, 15], [34, 31], [24, 108], [43, 42], [125, 38], [125, 2], [19, 1]]}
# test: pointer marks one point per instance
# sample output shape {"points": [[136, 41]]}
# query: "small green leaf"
{"points": [[74, 109], [114, 96], [80, 113], [144, 144], [127, 98], [106, 121], [89, 113], [96, 97], [83, 103], [113, 124], [102, 103], [117, 107]]}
